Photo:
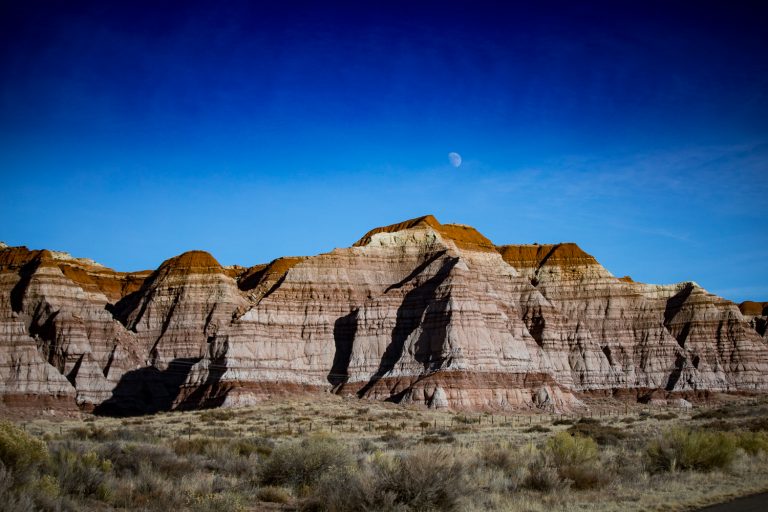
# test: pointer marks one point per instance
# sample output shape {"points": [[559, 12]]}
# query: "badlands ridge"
{"points": [[414, 312]]}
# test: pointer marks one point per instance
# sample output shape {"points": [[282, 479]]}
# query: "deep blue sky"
{"points": [[130, 133]]}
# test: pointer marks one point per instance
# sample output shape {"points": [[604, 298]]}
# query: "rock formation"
{"points": [[413, 312], [756, 313]]}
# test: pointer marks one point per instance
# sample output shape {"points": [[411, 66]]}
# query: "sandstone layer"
{"points": [[418, 312]]}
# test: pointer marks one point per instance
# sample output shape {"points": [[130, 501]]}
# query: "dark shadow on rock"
{"points": [[675, 375], [123, 308], [344, 331], [147, 390], [17, 293], [210, 393], [428, 348], [409, 316], [418, 270], [673, 307]]}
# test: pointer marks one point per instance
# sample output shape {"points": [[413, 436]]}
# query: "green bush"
{"points": [[682, 449], [753, 442], [566, 449], [577, 460], [20, 451]]}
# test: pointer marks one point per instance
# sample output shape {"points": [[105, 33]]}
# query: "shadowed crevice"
{"points": [[409, 316], [344, 331], [673, 307], [17, 293], [675, 375]]}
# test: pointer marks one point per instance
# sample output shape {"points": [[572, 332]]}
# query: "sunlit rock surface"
{"points": [[417, 312]]}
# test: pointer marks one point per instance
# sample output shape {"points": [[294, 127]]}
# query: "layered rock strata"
{"points": [[413, 312]]}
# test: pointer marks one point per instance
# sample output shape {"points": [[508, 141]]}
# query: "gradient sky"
{"points": [[132, 132]]}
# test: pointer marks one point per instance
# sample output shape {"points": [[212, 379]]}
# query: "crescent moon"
{"points": [[454, 158]]}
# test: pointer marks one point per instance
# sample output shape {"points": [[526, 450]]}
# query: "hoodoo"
{"points": [[417, 311]]}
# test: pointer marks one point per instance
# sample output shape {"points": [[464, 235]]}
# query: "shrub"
{"points": [[543, 477], [576, 459], [753, 442], [368, 446], [423, 479], [217, 415], [438, 436], [394, 441], [20, 451], [217, 501], [536, 429], [602, 434], [82, 474], [271, 494], [128, 459], [566, 449], [713, 414], [691, 450], [511, 464], [302, 463]]}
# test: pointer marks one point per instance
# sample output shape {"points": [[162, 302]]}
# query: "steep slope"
{"points": [[59, 340]]}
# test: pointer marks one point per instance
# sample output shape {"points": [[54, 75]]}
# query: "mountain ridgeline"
{"points": [[419, 312]]}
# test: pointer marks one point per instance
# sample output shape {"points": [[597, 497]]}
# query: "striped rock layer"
{"points": [[413, 312]]}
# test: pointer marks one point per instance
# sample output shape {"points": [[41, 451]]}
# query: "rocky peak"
{"points": [[191, 262], [465, 237]]}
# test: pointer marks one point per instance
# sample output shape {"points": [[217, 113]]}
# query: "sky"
{"points": [[133, 131]]}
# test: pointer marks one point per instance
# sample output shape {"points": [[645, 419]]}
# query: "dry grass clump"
{"points": [[422, 479], [438, 437], [81, 472], [272, 494], [602, 434], [302, 463]]}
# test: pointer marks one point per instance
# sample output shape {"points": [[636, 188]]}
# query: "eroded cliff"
{"points": [[417, 311]]}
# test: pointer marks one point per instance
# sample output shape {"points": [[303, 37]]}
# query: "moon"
{"points": [[454, 158]]}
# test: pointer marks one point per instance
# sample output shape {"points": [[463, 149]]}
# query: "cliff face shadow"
{"points": [[429, 345], [17, 293], [409, 315], [673, 307], [147, 390], [675, 375], [344, 331], [210, 393]]}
